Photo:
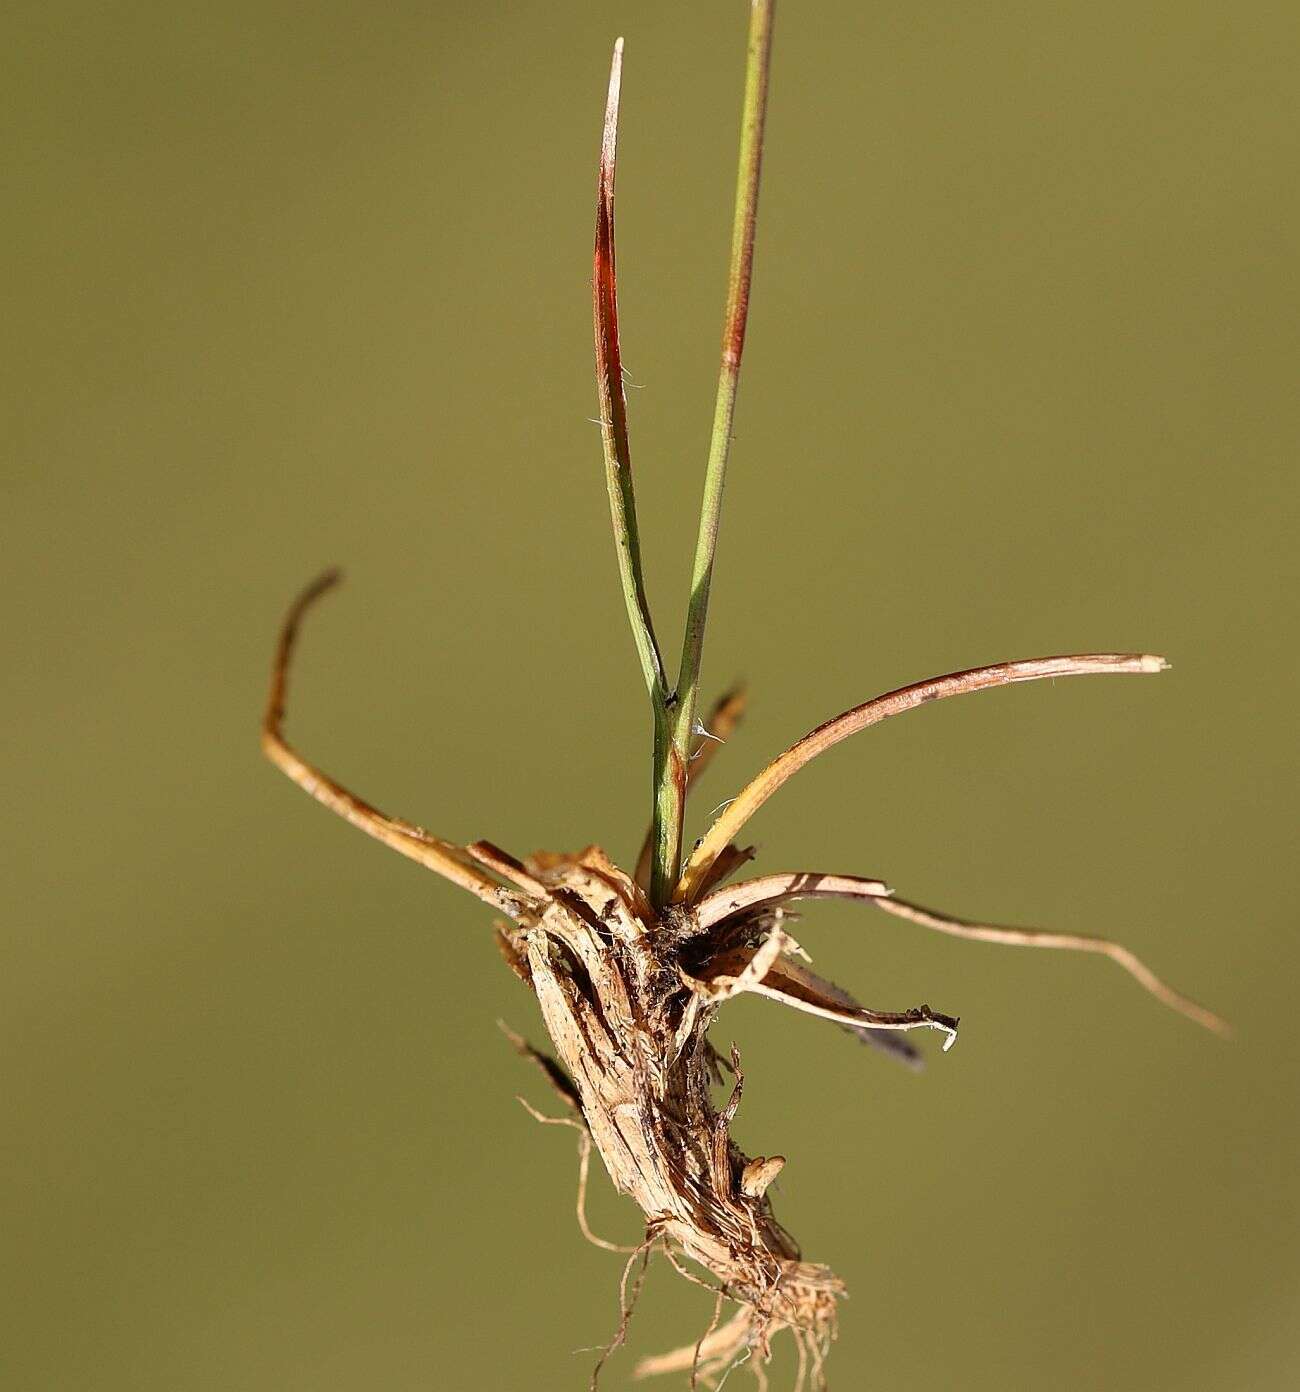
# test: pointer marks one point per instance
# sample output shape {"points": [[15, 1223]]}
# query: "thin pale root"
{"points": [[626, 1305], [1069, 942], [584, 1170]]}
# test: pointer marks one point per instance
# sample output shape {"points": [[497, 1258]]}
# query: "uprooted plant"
{"points": [[630, 970]]}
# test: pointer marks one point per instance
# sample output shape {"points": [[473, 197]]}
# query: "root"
{"points": [[685, 1273], [564, 1089], [561, 1083], [1068, 942], [801, 1380], [818, 1353], [711, 1354], [626, 1305], [584, 1171], [699, 1344]]}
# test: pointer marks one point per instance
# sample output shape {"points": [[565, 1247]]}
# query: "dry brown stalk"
{"points": [[742, 807], [631, 971]]}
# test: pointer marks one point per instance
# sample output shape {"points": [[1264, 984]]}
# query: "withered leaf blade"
{"points": [[740, 898], [789, 983], [785, 766]]}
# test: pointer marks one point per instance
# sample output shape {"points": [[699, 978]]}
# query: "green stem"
{"points": [[613, 410], [670, 774]]}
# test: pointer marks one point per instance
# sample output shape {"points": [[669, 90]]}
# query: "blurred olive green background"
{"points": [[292, 285]]}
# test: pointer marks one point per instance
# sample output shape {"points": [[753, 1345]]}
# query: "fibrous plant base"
{"points": [[630, 1025], [628, 994]]}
